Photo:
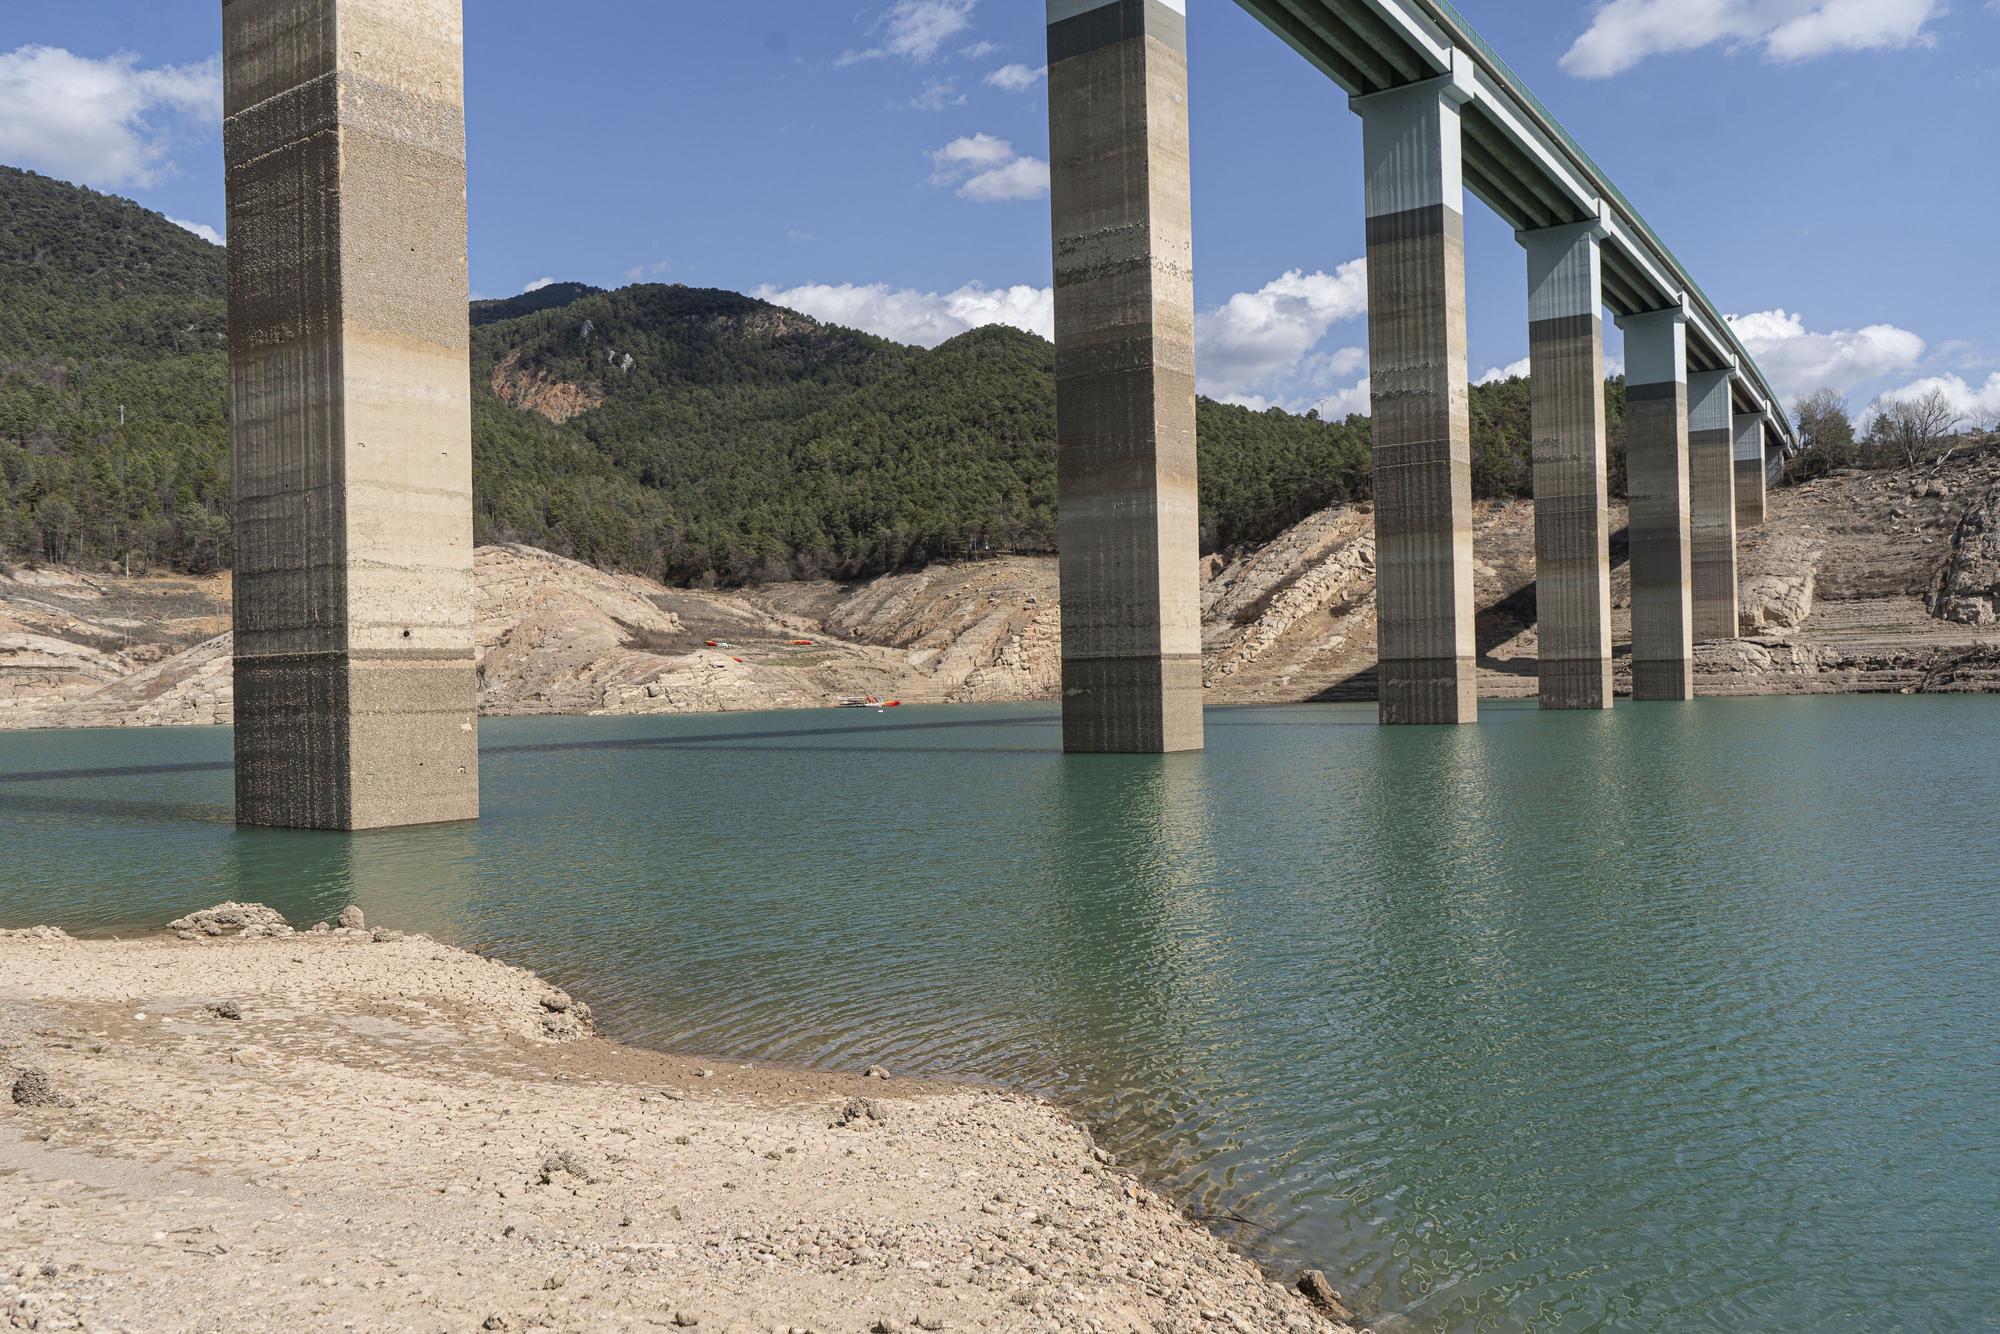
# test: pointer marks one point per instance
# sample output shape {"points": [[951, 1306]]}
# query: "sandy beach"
{"points": [[353, 1129]]}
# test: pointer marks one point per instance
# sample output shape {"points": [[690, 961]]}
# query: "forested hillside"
{"points": [[113, 380], [693, 435]]}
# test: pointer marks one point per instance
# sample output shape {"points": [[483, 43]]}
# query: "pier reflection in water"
{"points": [[1678, 1017]]}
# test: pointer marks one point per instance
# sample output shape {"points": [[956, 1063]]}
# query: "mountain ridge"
{"points": [[698, 436]]}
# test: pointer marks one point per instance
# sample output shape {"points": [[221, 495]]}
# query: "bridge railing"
{"points": [[1461, 30]]}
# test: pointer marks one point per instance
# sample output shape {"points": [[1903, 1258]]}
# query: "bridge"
{"points": [[344, 136], [1441, 115]]}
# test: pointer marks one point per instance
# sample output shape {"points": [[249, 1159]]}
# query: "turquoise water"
{"points": [[1684, 1017]]}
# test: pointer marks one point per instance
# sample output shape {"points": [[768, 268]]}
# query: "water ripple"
{"points": [[1676, 1018]]}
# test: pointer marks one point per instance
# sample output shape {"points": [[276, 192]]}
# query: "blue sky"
{"points": [[1822, 166]]}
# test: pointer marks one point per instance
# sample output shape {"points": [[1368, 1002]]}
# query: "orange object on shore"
{"points": [[893, 704], [802, 643]]}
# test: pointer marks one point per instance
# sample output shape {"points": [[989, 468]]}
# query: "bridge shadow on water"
{"points": [[825, 740]]}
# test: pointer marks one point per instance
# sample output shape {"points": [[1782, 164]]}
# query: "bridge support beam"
{"points": [[1712, 497], [1572, 516], [1656, 468], [350, 419], [1125, 401], [1423, 433], [1749, 471]]}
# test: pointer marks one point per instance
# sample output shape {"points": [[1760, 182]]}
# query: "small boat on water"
{"points": [[870, 702]]}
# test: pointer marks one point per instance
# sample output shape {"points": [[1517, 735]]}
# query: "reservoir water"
{"points": [[1682, 1017]]}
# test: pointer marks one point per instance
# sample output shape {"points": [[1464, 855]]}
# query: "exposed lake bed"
{"points": [[1679, 1017]]}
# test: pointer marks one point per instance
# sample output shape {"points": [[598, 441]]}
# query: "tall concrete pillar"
{"points": [[1124, 316], [1749, 471], [344, 136], [1423, 429], [1712, 503], [1656, 470], [1572, 516]]}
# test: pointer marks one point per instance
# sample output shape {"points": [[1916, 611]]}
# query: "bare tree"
{"points": [[1914, 429]]}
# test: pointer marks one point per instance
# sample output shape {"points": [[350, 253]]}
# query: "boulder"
{"points": [[225, 918]]}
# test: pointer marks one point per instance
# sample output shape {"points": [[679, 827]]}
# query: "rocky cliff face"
{"points": [[1968, 591], [539, 392]]}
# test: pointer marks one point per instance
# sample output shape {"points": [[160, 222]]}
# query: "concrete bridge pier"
{"points": [[1712, 497], [1572, 516], [1125, 399], [1656, 469], [1749, 471], [1415, 193], [350, 415]]}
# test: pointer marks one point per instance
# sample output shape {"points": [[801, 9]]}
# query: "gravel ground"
{"points": [[353, 1129]]}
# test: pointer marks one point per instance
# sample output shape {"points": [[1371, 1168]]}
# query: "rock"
{"points": [[35, 933], [686, 1320], [384, 936], [497, 1321], [861, 1111], [570, 1163], [321, 929], [1320, 1293], [876, 1072], [227, 917], [226, 1010], [351, 918], [33, 1088], [1968, 589], [1776, 601], [556, 1001]]}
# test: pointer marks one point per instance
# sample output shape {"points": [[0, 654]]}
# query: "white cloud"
{"points": [[103, 122], [988, 170], [201, 229], [1798, 361], [1975, 405], [537, 285], [639, 271], [937, 95], [975, 153], [1017, 78], [1624, 32], [1255, 339], [1513, 370], [1023, 178], [1355, 399], [979, 50], [915, 30], [924, 318]]}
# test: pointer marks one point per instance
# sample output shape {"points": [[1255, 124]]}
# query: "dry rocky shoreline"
{"points": [[235, 1125], [1879, 581]]}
